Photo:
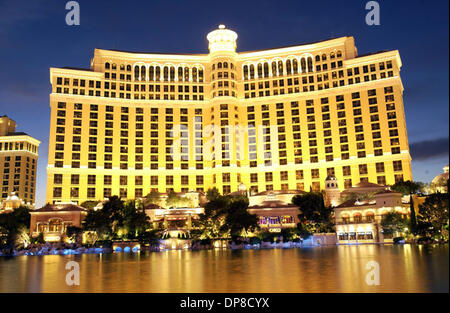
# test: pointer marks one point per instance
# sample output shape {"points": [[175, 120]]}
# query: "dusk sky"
{"points": [[35, 37]]}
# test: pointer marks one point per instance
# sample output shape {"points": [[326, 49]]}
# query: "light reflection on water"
{"points": [[404, 268]]}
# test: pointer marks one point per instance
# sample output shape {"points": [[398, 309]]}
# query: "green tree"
{"points": [[212, 194], [211, 221], [237, 218], [13, 224], [433, 215], [173, 200], [393, 222], [89, 204], [358, 196], [154, 197], [412, 219], [135, 221], [99, 223], [408, 187], [74, 233], [314, 215]]}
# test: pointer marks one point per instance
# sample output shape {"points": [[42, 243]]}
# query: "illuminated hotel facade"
{"points": [[276, 119], [18, 162]]}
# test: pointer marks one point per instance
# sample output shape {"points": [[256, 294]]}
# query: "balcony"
{"points": [[363, 220]]}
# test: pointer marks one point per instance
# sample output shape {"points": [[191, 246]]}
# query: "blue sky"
{"points": [[34, 37]]}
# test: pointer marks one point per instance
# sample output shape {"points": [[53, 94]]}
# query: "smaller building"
{"points": [[18, 162], [52, 220], [274, 209], [439, 183], [359, 221], [179, 218], [11, 203]]}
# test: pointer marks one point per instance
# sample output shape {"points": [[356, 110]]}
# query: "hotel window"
{"points": [[379, 167], [363, 169], [91, 192], [397, 165], [57, 192], [91, 179], [315, 173], [381, 180], [315, 186], [398, 178], [57, 179]]}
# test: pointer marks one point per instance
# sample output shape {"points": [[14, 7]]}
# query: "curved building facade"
{"points": [[276, 119]]}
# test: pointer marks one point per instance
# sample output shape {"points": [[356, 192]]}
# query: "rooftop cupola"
{"points": [[222, 39]]}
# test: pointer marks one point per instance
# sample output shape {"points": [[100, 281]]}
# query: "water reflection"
{"points": [[327, 269]]}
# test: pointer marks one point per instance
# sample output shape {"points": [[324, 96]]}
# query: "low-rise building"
{"points": [[52, 220], [359, 221], [274, 209]]}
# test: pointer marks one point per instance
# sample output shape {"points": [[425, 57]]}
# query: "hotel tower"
{"points": [[276, 119], [18, 161]]}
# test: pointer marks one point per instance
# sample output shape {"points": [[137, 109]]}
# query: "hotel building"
{"points": [[275, 119], [18, 161]]}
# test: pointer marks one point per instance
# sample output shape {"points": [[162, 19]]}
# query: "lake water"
{"points": [[407, 268]]}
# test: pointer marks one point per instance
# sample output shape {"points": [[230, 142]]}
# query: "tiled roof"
{"points": [[60, 208]]}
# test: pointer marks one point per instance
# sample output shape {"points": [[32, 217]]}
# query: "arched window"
{"points": [[172, 73], [122, 67], [339, 54], [114, 66], [186, 74], [55, 225], [310, 64], [370, 217], [252, 71], [295, 66], [128, 68], [260, 72], [180, 74], [274, 68], [151, 73], [136, 73], [157, 73], [231, 65], [303, 64], [225, 64], [219, 65], [200, 74], [357, 218], [332, 55], [280, 68], [288, 67], [194, 74], [324, 57], [107, 66], [143, 70], [245, 72], [165, 73], [266, 69], [345, 218], [317, 58]]}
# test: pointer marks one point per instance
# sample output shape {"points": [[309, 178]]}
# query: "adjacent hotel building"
{"points": [[18, 161], [276, 119]]}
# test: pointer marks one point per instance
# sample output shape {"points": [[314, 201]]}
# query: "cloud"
{"points": [[429, 149]]}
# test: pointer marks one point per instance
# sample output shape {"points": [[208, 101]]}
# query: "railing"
{"points": [[358, 221]]}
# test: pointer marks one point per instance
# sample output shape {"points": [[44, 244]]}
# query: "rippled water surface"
{"points": [[405, 268]]}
